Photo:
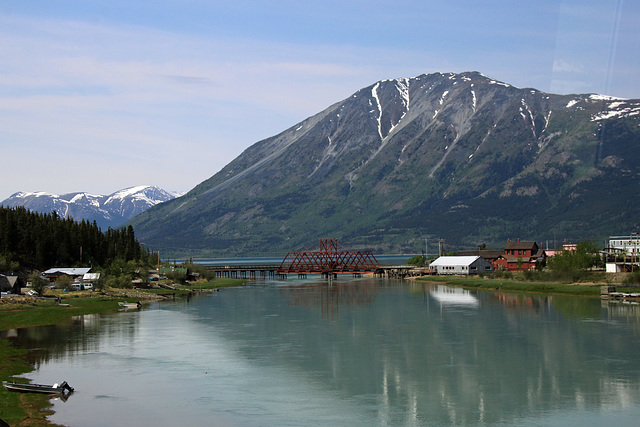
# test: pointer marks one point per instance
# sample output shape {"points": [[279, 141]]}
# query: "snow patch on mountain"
{"points": [[597, 97], [475, 101], [374, 94], [618, 109]]}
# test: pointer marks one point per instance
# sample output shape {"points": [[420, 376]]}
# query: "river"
{"points": [[358, 352]]}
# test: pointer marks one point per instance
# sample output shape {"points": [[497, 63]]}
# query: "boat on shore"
{"points": [[125, 304], [38, 388]]}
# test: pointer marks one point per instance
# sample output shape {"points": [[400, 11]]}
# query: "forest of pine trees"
{"points": [[30, 240]]}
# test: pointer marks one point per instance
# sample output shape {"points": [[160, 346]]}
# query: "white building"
{"points": [[460, 265], [629, 244], [76, 274]]}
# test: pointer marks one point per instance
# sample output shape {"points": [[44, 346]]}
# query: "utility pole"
{"points": [[634, 250], [440, 242]]}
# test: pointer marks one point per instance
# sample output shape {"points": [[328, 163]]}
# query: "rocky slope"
{"points": [[461, 157]]}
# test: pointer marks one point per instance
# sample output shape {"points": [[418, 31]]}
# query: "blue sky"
{"points": [[97, 96]]}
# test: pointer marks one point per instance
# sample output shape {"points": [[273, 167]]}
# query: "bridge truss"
{"points": [[329, 259]]}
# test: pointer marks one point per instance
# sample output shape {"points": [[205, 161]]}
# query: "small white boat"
{"points": [[38, 388], [125, 304]]}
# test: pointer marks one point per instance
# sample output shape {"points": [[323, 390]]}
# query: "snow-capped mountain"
{"points": [[462, 157], [108, 211]]}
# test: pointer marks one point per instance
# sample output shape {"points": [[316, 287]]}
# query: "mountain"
{"points": [[108, 211], [459, 157]]}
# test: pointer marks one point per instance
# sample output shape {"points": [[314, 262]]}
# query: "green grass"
{"points": [[11, 365], [47, 313], [27, 408], [516, 286], [219, 282]]}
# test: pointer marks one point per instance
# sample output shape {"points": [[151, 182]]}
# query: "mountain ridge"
{"points": [[401, 158], [111, 210]]}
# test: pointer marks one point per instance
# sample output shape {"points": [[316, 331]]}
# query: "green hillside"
{"points": [[460, 157]]}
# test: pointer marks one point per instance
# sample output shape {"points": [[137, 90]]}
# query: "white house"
{"points": [[460, 265], [53, 274], [626, 244]]}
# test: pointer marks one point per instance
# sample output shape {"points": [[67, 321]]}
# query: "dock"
{"points": [[617, 292]]}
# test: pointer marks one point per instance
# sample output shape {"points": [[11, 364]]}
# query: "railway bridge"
{"points": [[328, 260]]}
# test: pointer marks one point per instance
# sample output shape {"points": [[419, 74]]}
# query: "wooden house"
{"points": [[520, 256]]}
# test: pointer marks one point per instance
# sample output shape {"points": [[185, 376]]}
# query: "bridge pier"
{"points": [[245, 272]]}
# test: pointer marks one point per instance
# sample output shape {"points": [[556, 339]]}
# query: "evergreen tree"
{"points": [[35, 240]]}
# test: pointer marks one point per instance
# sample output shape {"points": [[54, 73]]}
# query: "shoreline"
{"points": [[31, 409], [512, 285]]}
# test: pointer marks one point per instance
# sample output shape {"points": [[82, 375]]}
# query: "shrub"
{"points": [[119, 282], [418, 260], [632, 278], [572, 266], [501, 274], [38, 283], [179, 276]]}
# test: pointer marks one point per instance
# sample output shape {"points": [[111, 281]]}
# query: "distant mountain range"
{"points": [[459, 157], [108, 211]]}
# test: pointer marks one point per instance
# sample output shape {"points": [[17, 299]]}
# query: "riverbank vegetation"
{"points": [[59, 305], [514, 285], [571, 272], [25, 311], [31, 243], [31, 240]]}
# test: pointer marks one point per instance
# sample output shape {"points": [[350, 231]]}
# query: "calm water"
{"points": [[358, 353]]}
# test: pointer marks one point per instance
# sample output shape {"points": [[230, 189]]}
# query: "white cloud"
{"points": [[180, 105], [127, 96]]}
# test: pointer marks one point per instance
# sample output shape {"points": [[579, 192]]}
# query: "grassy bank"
{"points": [[29, 311], [29, 409], [472, 282]]}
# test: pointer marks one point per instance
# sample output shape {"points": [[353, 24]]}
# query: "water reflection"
{"points": [[361, 352], [453, 296], [80, 335], [328, 297]]}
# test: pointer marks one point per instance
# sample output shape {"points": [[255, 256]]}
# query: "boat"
{"points": [[125, 304], [38, 388]]}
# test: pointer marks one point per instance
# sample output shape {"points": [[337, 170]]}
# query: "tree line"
{"points": [[31, 240]]}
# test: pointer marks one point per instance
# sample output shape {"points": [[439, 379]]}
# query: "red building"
{"points": [[516, 256], [519, 256], [488, 254]]}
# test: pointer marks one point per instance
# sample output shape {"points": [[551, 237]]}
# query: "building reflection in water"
{"points": [[453, 296]]}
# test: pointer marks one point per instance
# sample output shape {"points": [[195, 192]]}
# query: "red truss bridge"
{"points": [[329, 260]]}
